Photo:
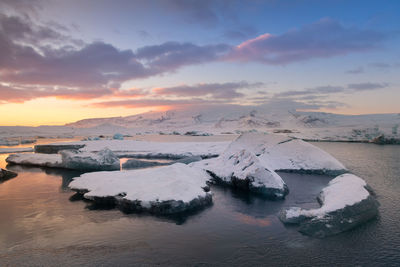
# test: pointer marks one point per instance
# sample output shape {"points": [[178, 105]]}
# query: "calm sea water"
{"points": [[41, 225]]}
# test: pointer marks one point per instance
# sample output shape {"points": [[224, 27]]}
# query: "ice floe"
{"points": [[345, 203], [36, 159], [243, 169], [165, 190]]}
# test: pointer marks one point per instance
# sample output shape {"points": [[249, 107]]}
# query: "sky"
{"points": [[62, 61]]}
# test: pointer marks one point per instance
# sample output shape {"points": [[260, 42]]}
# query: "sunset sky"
{"points": [[61, 61]]}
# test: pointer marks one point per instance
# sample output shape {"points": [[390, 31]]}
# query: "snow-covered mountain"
{"points": [[231, 119], [236, 119]]}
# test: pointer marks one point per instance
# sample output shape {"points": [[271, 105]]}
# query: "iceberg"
{"points": [[166, 190], [75, 160], [104, 160], [295, 155], [282, 153], [250, 162], [36, 159], [346, 202], [243, 169], [118, 136]]}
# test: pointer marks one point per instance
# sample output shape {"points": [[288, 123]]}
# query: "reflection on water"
{"points": [[41, 225]]}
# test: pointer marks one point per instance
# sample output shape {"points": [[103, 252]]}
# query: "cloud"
{"points": [[39, 60], [21, 6], [367, 86], [312, 91], [142, 103], [207, 13], [19, 94], [240, 33], [322, 39], [327, 90], [214, 90], [172, 55], [25, 60], [358, 70], [318, 96]]}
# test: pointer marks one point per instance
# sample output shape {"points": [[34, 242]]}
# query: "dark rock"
{"points": [[6, 175]]}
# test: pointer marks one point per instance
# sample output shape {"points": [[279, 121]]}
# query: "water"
{"points": [[40, 225]]}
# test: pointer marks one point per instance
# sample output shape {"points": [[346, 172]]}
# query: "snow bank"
{"points": [[165, 190], [43, 160], [345, 203], [104, 160], [243, 169]]}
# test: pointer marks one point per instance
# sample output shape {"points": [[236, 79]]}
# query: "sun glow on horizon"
{"points": [[52, 111]]}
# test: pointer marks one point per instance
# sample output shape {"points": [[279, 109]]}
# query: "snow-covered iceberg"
{"points": [[243, 169], [36, 159], [346, 202], [282, 153], [165, 190], [250, 162], [298, 156], [69, 159], [104, 160]]}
